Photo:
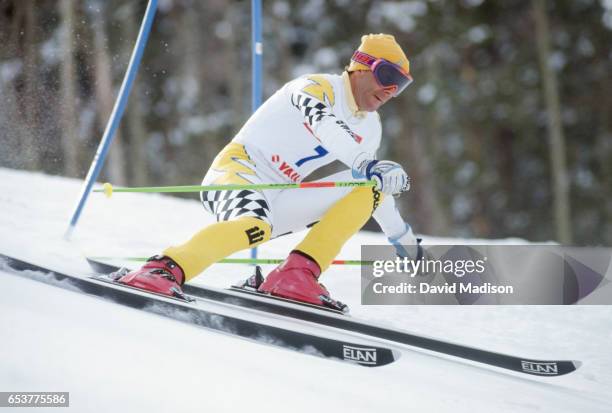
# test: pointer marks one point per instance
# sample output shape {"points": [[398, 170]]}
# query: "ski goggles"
{"points": [[386, 73]]}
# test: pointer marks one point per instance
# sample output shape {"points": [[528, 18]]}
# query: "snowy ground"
{"points": [[112, 358]]}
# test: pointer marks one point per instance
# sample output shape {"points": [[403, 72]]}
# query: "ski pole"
{"points": [[236, 260], [108, 189]]}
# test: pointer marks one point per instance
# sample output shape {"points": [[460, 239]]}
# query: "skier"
{"points": [[308, 123]]}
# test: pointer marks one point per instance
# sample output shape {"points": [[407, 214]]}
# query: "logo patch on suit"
{"points": [[348, 130], [286, 169], [320, 89], [376, 196], [255, 235]]}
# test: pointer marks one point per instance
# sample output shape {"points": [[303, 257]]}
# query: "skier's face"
{"points": [[369, 94]]}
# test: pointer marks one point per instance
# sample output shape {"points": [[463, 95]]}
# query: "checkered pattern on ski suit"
{"points": [[227, 205]]}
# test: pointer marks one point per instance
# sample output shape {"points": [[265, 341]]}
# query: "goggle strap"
{"points": [[369, 61], [363, 58]]}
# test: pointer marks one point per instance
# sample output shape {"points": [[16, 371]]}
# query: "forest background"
{"points": [[506, 130]]}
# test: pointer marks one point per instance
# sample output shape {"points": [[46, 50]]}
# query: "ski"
{"points": [[543, 368], [364, 354]]}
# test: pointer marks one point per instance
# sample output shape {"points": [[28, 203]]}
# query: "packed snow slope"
{"points": [[113, 358]]}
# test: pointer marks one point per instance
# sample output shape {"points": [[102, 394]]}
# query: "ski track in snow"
{"points": [[112, 358]]}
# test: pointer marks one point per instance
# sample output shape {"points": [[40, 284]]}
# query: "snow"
{"points": [[113, 358]]}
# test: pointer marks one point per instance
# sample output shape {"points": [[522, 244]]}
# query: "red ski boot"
{"points": [[296, 279], [159, 275]]}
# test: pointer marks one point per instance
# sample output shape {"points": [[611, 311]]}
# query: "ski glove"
{"points": [[390, 177], [407, 245]]}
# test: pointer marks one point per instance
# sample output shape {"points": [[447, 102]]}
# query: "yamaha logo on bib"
{"points": [[361, 355]]}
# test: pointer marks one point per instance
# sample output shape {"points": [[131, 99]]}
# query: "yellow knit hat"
{"points": [[382, 46]]}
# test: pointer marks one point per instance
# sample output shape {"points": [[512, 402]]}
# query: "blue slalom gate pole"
{"points": [[257, 55], [256, 71], [117, 113]]}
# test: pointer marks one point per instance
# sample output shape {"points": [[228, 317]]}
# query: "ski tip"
{"points": [[396, 354], [568, 366]]}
